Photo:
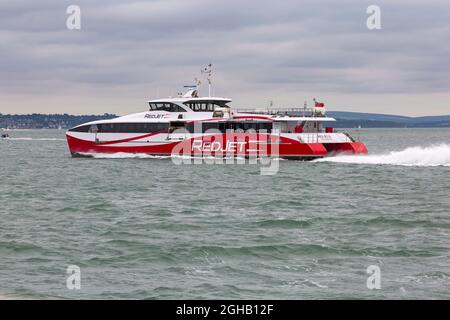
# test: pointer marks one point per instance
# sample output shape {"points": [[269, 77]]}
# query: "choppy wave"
{"points": [[403, 223], [36, 139], [283, 223], [285, 249], [432, 156], [12, 297]]}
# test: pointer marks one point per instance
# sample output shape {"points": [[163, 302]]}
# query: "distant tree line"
{"points": [[343, 120], [47, 121]]}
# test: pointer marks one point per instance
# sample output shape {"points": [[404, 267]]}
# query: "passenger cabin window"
{"points": [[125, 128], [81, 129], [204, 106], [93, 128], [166, 106], [249, 127]]}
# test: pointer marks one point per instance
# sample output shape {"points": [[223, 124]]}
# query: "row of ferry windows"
{"points": [[123, 128], [190, 127], [193, 105], [229, 125]]}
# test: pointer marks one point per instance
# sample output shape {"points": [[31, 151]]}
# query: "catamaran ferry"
{"points": [[207, 126]]}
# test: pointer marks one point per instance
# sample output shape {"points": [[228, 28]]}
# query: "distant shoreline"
{"points": [[343, 120]]}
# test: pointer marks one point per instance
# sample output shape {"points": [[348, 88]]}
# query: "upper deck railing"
{"points": [[293, 112]]}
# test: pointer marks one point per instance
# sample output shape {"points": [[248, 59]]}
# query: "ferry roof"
{"points": [[184, 99]]}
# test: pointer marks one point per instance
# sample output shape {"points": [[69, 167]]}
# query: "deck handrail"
{"points": [[273, 110], [296, 112]]}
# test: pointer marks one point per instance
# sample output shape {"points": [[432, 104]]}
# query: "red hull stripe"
{"points": [[253, 117]]}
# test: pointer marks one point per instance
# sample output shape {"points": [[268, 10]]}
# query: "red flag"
{"points": [[319, 104]]}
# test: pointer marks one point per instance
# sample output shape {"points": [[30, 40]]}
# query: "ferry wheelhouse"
{"points": [[208, 126]]}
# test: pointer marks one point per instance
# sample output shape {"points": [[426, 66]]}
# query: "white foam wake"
{"points": [[434, 155], [124, 155]]}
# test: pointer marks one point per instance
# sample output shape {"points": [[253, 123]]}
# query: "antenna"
{"points": [[270, 107], [207, 71]]}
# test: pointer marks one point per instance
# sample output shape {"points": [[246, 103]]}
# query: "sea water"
{"points": [[142, 227]]}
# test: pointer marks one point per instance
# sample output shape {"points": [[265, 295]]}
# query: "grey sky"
{"points": [[286, 51]]}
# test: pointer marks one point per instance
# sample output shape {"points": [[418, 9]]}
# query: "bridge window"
{"points": [[166, 106], [204, 106]]}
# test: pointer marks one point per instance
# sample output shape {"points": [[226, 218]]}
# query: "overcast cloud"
{"points": [[287, 51]]}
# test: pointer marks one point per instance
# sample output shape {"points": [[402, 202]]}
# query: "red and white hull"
{"points": [[226, 144]]}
